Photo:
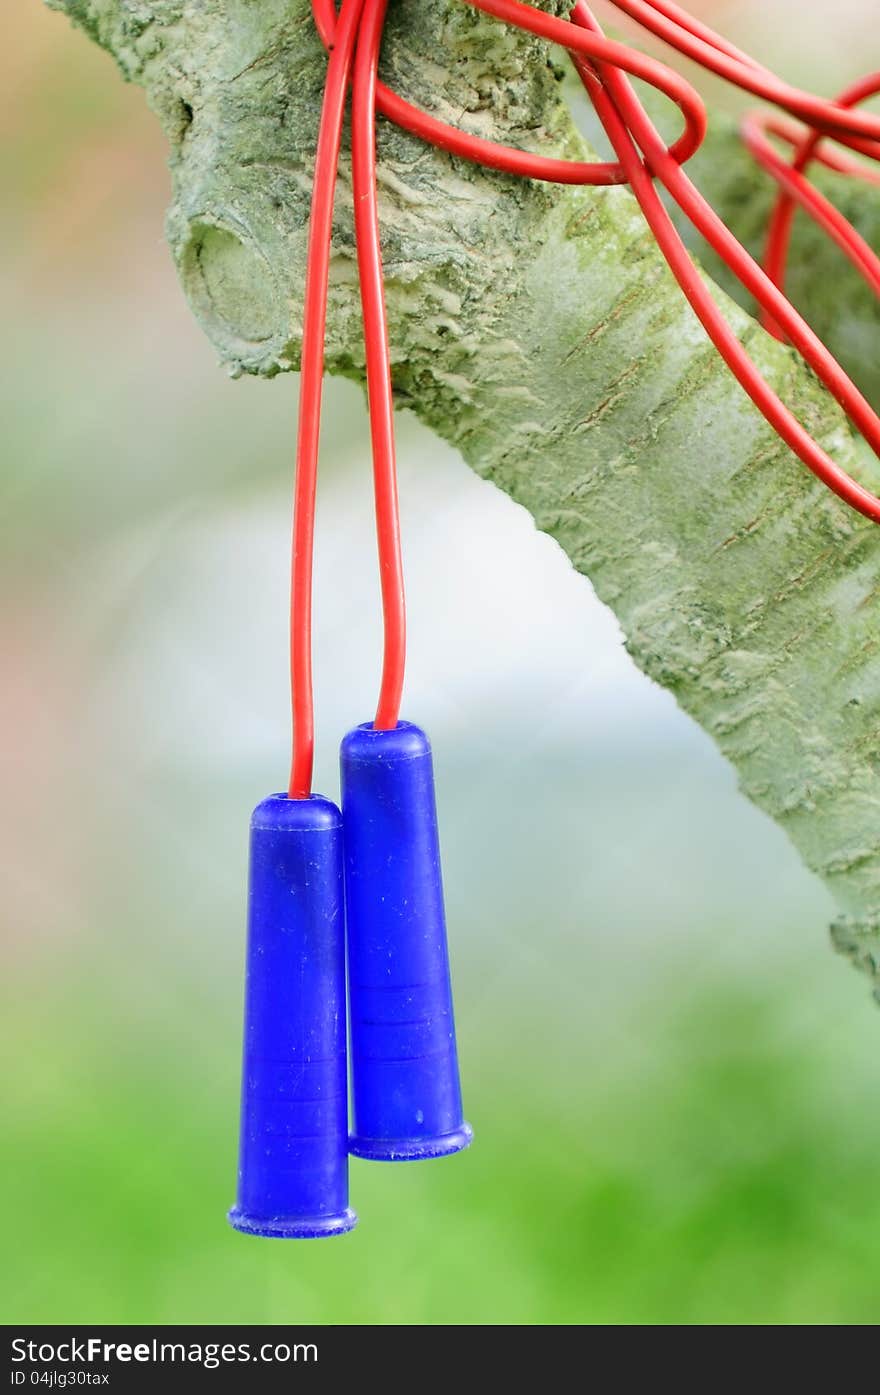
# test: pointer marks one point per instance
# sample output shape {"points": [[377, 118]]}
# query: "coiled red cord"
{"points": [[353, 38]]}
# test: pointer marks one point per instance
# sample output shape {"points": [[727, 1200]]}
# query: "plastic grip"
{"points": [[293, 1161], [405, 1085]]}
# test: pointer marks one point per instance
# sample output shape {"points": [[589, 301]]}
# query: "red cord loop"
{"points": [[353, 39], [795, 190]]}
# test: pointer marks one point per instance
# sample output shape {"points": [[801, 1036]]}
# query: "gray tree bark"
{"points": [[538, 330]]}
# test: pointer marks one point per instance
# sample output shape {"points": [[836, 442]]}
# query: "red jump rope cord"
{"points": [[605, 68], [310, 385], [796, 190], [381, 401]]}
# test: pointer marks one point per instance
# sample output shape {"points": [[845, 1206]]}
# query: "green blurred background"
{"points": [[672, 1079]]}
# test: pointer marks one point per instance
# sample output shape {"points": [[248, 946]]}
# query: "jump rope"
{"points": [[346, 921]]}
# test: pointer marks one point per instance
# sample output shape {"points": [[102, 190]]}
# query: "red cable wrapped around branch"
{"points": [[353, 39]]}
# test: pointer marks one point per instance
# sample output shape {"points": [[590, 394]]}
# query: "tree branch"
{"points": [[539, 330]]}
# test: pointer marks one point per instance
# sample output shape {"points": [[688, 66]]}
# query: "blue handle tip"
{"points": [[411, 1149], [302, 1229]]}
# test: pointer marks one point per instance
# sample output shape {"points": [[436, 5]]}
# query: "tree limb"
{"points": [[539, 331]]}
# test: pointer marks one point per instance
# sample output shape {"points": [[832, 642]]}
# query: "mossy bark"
{"points": [[539, 330]]}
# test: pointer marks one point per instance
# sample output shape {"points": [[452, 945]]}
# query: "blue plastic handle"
{"points": [[293, 1162], [405, 1086]]}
